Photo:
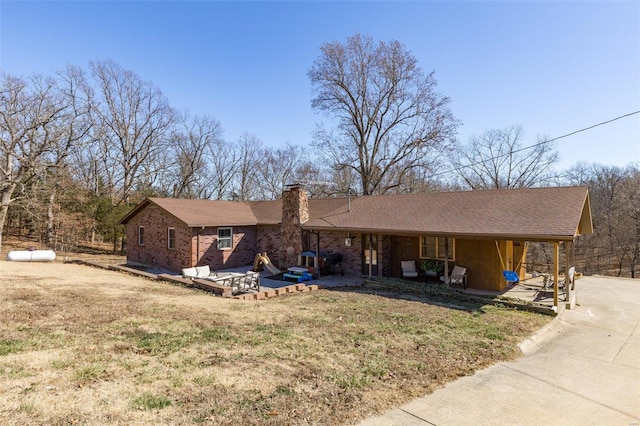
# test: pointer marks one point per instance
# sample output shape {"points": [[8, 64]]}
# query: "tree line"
{"points": [[80, 147]]}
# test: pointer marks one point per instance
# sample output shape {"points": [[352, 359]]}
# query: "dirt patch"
{"points": [[81, 345]]}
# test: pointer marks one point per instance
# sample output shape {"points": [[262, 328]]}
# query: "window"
{"points": [[225, 238], [171, 238], [140, 235], [428, 248], [433, 248]]}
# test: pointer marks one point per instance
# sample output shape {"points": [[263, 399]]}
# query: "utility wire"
{"points": [[539, 143], [579, 131]]}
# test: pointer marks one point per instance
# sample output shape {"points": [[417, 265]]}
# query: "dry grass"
{"points": [[80, 345]]}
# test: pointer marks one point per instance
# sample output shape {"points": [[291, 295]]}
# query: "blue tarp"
{"points": [[312, 254]]}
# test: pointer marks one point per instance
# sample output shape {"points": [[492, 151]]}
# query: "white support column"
{"points": [[556, 261]]}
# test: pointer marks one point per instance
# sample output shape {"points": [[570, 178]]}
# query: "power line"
{"points": [[579, 131], [540, 143]]}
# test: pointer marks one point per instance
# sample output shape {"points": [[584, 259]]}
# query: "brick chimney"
{"points": [[295, 212]]}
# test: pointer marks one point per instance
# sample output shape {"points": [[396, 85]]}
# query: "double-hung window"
{"points": [[225, 238], [171, 238]]}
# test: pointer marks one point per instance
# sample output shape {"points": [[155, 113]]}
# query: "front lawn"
{"points": [[84, 346]]}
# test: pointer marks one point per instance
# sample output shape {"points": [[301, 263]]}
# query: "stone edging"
{"points": [[262, 295]]}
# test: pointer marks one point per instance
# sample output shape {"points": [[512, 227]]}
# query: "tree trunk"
{"points": [[3, 217], [115, 239], [49, 231], [5, 200]]}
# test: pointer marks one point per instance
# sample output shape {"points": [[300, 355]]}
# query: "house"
{"points": [[179, 233], [486, 231]]}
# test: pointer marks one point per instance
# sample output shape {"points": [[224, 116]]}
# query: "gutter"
{"points": [[470, 236]]}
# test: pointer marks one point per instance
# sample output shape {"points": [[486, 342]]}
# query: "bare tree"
{"points": [[614, 247], [223, 163], [133, 118], [615, 195], [389, 116], [33, 133], [496, 159], [278, 168], [630, 219], [188, 172], [246, 178], [71, 129]]}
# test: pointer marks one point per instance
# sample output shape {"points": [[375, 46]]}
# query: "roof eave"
{"points": [[465, 235], [217, 225], [585, 224], [137, 209]]}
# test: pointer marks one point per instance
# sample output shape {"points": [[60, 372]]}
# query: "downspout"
{"points": [[198, 245]]}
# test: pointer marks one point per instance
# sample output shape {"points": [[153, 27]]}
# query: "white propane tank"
{"points": [[31, 255]]}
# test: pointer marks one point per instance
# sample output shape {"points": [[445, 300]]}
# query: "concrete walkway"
{"points": [[582, 369]]}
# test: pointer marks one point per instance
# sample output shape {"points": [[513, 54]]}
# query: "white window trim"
{"points": [[230, 238], [140, 240], [169, 229]]}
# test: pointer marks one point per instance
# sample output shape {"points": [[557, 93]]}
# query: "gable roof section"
{"points": [[195, 213], [532, 213]]}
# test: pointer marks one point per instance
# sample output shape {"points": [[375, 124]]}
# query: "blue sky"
{"points": [[552, 67]]}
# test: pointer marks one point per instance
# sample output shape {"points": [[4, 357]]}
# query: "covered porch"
{"points": [[492, 266], [485, 232], [538, 290]]}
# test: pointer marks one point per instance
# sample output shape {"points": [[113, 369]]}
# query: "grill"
{"points": [[333, 261]]}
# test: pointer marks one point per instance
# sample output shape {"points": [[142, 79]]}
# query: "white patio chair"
{"points": [[458, 276], [409, 269]]}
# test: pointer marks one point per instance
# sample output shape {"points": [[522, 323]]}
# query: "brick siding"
{"points": [[268, 241], [206, 251], [155, 250], [193, 247], [333, 242]]}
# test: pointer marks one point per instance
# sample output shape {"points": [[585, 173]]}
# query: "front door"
{"points": [[370, 255]]}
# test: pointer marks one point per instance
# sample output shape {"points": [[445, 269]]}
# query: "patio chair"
{"points": [[251, 281], [458, 276], [409, 269], [203, 272], [566, 285]]}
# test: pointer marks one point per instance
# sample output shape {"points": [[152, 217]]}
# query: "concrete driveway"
{"points": [[582, 369]]}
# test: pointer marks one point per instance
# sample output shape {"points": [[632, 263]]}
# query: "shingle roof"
{"points": [[270, 212], [196, 213], [534, 213], [201, 212]]}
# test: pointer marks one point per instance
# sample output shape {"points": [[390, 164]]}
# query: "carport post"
{"points": [[316, 259], [556, 261], [446, 260], [370, 256], [570, 260]]}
